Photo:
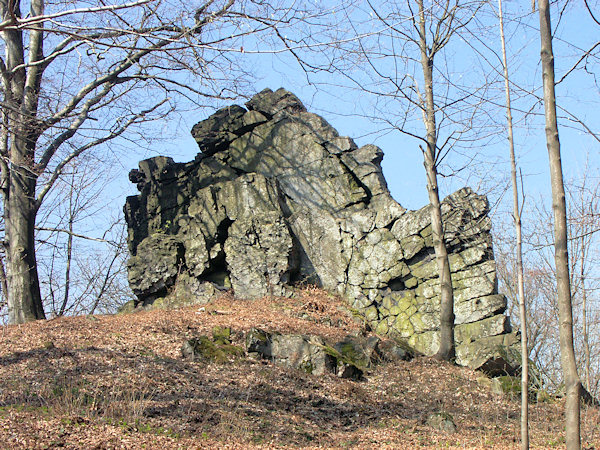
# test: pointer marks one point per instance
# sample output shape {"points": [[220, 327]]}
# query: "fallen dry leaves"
{"points": [[112, 382]]}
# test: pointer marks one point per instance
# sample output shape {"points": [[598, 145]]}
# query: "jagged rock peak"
{"points": [[272, 103], [276, 197]]}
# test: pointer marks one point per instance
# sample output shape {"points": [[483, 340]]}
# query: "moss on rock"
{"points": [[221, 335], [203, 348]]}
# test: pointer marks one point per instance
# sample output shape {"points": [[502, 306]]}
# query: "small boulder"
{"points": [[307, 353], [389, 351], [358, 351], [302, 352], [204, 349], [258, 343], [442, 421]]}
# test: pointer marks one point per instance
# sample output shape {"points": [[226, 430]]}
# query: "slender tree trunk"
{"points": [[65, 301], [69, 248], [519, 248], [561, 256], [586, 210], [3, 281], [586, 338], [447, 348]]}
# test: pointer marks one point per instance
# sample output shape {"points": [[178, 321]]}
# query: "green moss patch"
{"points": [[203, 348]]}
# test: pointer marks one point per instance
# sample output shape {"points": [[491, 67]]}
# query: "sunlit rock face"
{"points": [[276, 197]]}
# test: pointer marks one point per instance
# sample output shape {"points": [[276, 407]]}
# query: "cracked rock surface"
{"points": [[276, 197]]}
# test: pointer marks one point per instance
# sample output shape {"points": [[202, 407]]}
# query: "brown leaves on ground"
{"points": [[120, 382]]}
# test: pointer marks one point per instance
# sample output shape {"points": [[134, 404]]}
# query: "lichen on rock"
{"points": [[277, 197]]}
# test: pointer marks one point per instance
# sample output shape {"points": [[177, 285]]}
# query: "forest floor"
{"points": [[108, 382]]}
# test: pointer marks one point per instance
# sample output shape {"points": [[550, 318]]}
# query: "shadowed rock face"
{"points": [[277, 197]]}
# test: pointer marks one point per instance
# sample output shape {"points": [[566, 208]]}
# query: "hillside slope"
{"points": [[121, 382]]}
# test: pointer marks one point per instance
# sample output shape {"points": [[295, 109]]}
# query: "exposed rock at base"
{"points": [[202, 348], [277, 197], [388, 350], [361, 352], [348, 358], [442, 421], [307, 353]]}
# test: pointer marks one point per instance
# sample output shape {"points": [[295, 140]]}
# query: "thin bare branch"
{"points": [[78, 235], [111, 135], [38, 17]]}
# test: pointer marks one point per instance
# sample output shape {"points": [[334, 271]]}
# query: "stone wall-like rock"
{"points": [[277, 197]]}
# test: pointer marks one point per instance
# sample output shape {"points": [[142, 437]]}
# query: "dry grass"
{"points": [[120, 382]]}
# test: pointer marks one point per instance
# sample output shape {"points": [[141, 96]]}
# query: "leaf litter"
{"points": [[120, 382]]}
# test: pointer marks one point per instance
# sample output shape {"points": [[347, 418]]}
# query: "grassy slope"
{"points": [[120, 382]]}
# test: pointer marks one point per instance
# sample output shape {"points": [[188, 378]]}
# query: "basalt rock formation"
{"points": [[276, 197]]}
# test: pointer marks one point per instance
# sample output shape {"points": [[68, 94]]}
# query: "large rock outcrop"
{"points": [[276, 197]]}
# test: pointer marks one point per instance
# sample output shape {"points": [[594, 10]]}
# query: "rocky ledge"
{"points": [[276, 197]]}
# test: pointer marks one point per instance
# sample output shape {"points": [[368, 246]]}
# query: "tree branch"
{"points": [[77, 235], [58, 170], [38, 16]]}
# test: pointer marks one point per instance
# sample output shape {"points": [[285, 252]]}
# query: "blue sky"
{"points": [[402, 164], [330, 96]]}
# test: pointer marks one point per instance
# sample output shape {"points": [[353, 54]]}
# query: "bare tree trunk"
{"points": [[518, 250], [585, 229], [24, 299], [71, 215], [3, 281], [584, 319], [21, 91], [447, 348], [561, 256], [67, 269]]}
